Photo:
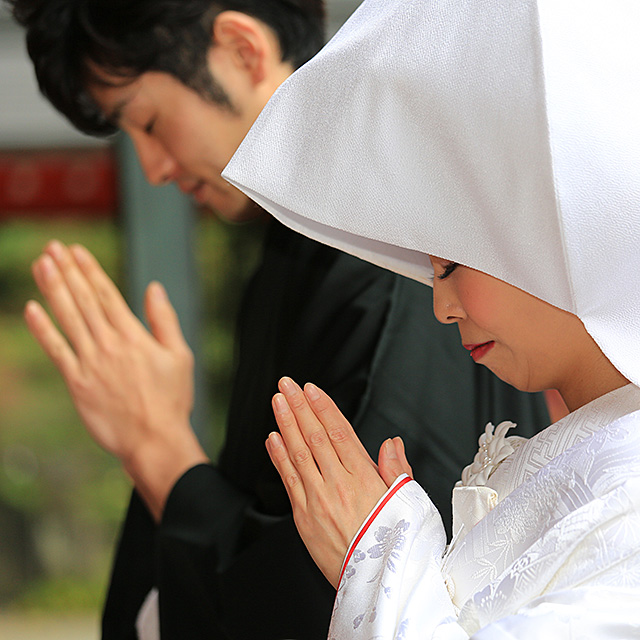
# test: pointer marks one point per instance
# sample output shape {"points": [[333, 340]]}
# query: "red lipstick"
{"points": [[479, 350]]}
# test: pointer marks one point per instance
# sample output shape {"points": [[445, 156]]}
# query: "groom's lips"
{"points": [[480, 349]]}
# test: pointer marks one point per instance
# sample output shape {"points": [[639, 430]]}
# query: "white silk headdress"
{"points": [[501, 134]]}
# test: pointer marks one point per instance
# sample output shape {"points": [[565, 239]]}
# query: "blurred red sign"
{"points": [[81, 181]]}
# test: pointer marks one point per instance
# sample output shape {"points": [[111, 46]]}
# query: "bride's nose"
{"points": [[446, 306]]}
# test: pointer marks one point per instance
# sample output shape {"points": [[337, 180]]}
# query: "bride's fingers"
{"points": [[346, 443], [313, 431], [392, 461], [291, 479], [298, 451], [402, 456]]}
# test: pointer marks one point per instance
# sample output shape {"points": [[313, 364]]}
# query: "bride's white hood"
{"points": [[501, 134]]}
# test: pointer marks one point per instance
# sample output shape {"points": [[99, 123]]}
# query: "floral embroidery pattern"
{"points": [[536, 503], [402, 629], [350, 570], [390, 543], [358, 556]]}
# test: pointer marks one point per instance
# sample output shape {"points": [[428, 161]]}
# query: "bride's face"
{"points": [[526, 342]]}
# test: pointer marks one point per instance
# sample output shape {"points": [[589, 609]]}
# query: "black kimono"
{"points": [[226, 558]]}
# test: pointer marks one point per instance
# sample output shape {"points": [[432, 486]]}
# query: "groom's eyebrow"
{"points": [[115, 115]]}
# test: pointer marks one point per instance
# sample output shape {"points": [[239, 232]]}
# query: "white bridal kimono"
{"points": [[557, 554]]}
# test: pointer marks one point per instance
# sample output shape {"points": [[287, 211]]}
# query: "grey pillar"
{"points": [[159, 225]]}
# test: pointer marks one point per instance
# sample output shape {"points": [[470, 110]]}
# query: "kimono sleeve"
{"points": [[391, 584]]}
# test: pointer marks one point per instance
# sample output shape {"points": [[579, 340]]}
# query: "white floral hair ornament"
{"points": [[501, 134]]}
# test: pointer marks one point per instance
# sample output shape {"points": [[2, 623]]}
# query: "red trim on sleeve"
{"points": [[369, 522]]}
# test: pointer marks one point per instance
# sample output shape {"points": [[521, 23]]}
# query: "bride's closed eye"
{"points": [[448, 270]]}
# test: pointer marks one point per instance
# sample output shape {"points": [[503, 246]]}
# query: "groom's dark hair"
{"points": [[68, 39]]}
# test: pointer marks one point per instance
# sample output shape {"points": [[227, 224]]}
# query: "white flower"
{"points": [[494, 448]]}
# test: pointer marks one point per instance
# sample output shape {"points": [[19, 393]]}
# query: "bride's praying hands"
{"points": [[331, 480]]}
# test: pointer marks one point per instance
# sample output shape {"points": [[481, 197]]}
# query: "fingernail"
{"points": [[79, 253], [390, 450], [400, 445], [55, 249], [274, 439], [31, 308], [47, 266], [311, 391], [288, 386], [159, 292], [280, 403]]}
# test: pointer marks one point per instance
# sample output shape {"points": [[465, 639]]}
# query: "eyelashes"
{"points": [[448, 270]]}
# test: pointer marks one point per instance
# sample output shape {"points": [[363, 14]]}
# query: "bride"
{"points": [[492, 150]]}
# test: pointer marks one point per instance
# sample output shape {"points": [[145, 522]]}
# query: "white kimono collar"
{"points": [[479, 495]]}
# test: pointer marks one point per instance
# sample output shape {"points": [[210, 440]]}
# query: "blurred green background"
{"points": [[61, 497]]}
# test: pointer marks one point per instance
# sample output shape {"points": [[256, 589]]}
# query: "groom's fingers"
{"points": [[63, 306], [51, 340]]}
